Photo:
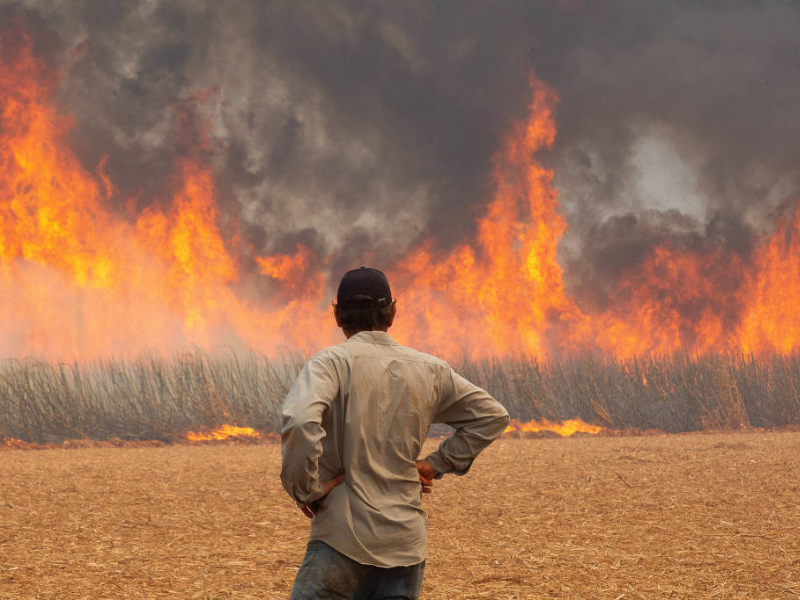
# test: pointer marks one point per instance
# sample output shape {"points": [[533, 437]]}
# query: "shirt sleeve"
{"points": [[301, 433], [478, 420]]}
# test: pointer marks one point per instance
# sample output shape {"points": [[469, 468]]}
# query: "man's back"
{"points": [[367, 405]]}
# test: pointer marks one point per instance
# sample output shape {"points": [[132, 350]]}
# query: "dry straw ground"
{"points": [[664, 516]]}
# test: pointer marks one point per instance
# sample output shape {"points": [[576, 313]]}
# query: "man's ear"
{"points": [[392, 313], [336, 315]]}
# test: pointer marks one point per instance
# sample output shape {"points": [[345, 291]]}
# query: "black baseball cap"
{"points": [[370, 284]]}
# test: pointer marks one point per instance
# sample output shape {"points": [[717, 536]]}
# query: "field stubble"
{"points": [[696, 515]]}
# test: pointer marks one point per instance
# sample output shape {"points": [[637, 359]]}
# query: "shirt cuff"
{"points": [[439, 464], [312, 497]]}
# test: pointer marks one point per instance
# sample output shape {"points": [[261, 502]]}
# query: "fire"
{"points": [[81, 278], [223, 433], [771, 321], [505, 294], [562, 428], [675, 301]]}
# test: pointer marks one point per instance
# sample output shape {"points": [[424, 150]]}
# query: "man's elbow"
{"points": [[499, 420], [287, 483], [501, 423], [490, 427]]}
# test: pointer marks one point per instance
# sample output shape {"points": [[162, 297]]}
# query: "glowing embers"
{"points": [[223, 433], [562, 428]]}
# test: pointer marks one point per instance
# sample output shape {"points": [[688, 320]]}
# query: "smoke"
{"points": [[361, 128]]}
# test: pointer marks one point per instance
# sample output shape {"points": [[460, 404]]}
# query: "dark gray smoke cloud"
{"points": [[362, 127]]}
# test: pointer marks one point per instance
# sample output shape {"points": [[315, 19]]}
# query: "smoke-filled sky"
{"points": [[362, 127]]}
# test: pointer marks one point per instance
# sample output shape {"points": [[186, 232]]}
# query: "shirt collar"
{"points": [[373, 337]]}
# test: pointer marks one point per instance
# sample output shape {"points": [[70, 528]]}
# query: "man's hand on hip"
{"points": [[311, 508], [426, 475]]}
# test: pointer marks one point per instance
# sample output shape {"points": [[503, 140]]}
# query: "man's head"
{"points": [[364, 302]]}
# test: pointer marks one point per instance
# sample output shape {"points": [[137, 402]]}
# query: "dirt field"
{"points": [[663, 516]]}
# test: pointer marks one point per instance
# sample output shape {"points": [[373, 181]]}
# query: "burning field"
{"points": [[603, 231], [88, 272], [682, 516], [112, 283]]}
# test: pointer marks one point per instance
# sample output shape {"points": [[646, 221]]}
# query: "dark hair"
{"points": [[364, 319]]}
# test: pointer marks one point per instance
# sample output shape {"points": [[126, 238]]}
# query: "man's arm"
{"points": [[478, 420], [301, 434]]}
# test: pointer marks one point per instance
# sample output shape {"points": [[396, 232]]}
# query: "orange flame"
{"points": [[771, 320], [507, 294], [223, 433], [562, 428], [81, 280], [674, 301], [77, 280]]}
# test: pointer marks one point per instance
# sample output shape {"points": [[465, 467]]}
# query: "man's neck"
{"points": [[348, 334]]}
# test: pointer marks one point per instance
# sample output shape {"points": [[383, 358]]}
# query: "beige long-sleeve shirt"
{"points": [[363, 409]]}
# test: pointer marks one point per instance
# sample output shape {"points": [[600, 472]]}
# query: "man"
{"points": [[353, 427]]}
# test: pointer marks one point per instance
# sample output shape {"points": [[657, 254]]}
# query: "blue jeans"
{"points": [[326, 573]]}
